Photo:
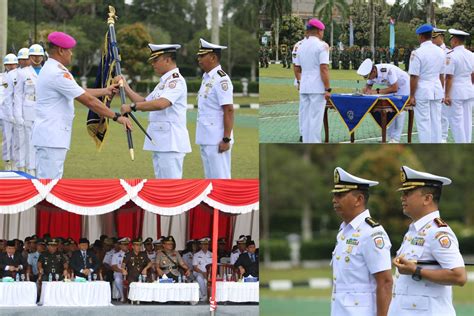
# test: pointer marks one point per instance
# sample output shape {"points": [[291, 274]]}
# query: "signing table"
{"points": [[17, 294], [237, 292], [95, 293], [164, 292], [353, 109]]}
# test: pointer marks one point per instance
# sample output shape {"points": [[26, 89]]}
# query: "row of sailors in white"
{"points": [[428, 66], [361, 259], [167, 104], [17, 107]]}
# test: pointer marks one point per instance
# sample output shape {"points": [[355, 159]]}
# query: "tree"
{"points": [[199, 15], [327, 10], [461, 16], [276, 9], [292, 30]]}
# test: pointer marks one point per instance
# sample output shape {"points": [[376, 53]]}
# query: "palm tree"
{"points": [[326, 10], [276, 9]]}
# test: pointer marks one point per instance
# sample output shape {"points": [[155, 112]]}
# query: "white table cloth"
{"points": [[18, 294], [164, 292], [237, 291], [95, 293]]}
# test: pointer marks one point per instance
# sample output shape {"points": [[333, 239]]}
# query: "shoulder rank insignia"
{"points": [[450, 52], [371, 222], [440, 222], [176, 75], [383, 70], [221, 73]]}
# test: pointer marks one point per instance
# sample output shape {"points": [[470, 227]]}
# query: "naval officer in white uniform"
{"points": [[362, 276], [420, 289], [459, 96], [397, 82], [56, 91], [426, 91], [215, 119], [167, 106], [10, 62]]}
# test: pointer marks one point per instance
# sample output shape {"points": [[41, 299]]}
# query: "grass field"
{"points": [[278, 119], [307, 301], [84, 161]]}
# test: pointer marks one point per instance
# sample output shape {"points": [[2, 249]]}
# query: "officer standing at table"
{"points": [[136, 262], [167, 105], [426, 91], [313, 61], [397, 82], [425, 289], [215, 119], [200, 260], [10, 62], [117, 260], [52, 262], [169, 261], [438, 39], [361, 259], [459, 97], [297, 72], [56, 90]]}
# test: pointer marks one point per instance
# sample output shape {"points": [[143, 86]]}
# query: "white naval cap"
{"points": [[455, 32], [206, 47], [157, 50], [124, 240], [10, 59], [23, 53], [365, 68], [412, 179], [205, 240], [437, 32], [157, 242], [242, 239], [344, 182]]}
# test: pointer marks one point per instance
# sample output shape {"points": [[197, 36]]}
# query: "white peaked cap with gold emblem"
{"points": [[157, 50], [344, 182], [412, 179], [206, 47], [457, 32], [365, 68]]}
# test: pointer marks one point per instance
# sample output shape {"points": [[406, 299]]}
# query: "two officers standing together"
{"points": [[428, 262]]}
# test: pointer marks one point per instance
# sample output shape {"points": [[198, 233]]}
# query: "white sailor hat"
{"points": [[124, 240], [10, 59], [365, 68], [205, 240], [206, 47], [437, 32], [412, 179], [459, 33], [344, 182], [157, 50], [36, 50], [23, 53], [157, 241]]}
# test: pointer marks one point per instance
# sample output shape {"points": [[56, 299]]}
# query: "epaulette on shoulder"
{"points": [[221, 73], [440, 223], [383, 70], [450, 52], [371, 222], [176, 75]]}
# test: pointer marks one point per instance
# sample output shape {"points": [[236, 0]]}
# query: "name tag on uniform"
{"points": [[418, 241], [352, 241]]}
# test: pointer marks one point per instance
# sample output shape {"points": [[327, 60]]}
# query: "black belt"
{"points": [[168, 267]]}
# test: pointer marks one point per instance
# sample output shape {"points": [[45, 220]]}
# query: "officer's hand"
{"points": [[125, 122], [447, 100], [223, 146], [187, 273], [124, 272], [404, 266], [412, 101], [120, 79], [112, 89], [125, 108], [12, 268], [327, 95]]}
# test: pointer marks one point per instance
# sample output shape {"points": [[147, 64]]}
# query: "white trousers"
{"points": [[428, 120], [202, 286], [29, 149], [18, 145], [394, 131], [460, 120], [50, 162], [168, 165], [312, 106], [118, 278], [444, 122], [7, 141], [301, 114], [216, 165]]}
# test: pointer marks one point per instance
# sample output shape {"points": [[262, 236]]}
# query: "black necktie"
{"points": [[84, 258]]}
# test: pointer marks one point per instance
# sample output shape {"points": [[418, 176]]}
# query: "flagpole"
{"points": [[118, 70]]}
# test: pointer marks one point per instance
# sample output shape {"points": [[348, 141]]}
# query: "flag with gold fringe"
{"points": [[97, 125]]}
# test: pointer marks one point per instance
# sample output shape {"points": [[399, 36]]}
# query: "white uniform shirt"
{"points": [[388, 74], [25, 94], [201, 260], [117, 260], [9, 82], [108, 257], [425, 240], [427, 62], [188, 259], [168, 127], [460, 64], [56, 90], [312, 53], [235, 255], [3, 83], [216, 91], [294, 53], [361, 251], [151, 255], [33, 261]]}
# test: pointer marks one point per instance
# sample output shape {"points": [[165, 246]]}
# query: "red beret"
{"points": [[62, 40]]}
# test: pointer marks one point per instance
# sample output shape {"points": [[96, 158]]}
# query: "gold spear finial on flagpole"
{"points": [[112, 15]]}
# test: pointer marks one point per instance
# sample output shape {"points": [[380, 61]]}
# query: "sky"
{"points": [[446, 3]]}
